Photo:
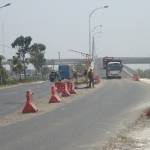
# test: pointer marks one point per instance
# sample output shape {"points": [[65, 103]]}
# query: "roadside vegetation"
{"points": [[144, 73], [26, 54], [3, 72]]}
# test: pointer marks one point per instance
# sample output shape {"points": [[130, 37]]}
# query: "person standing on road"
{"points": [[91, 78]]}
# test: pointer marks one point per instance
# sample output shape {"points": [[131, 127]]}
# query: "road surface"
{"points": [[80, 125], [12, 99]]}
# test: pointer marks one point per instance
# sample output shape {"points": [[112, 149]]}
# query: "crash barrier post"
{"points": [[29, 106], [58, 85], [135, 77], [68, 85], [146, 112], [65, 91], [54, 97], [97, 79], [72, 88]]}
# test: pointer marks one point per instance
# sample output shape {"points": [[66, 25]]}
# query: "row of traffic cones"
{"points": [[66, 89]]}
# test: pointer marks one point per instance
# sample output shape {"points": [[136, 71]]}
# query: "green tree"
{"points": [[37, 56], [3, 72], [45, 72], [17, 66], [1, 60], [23, 45]]}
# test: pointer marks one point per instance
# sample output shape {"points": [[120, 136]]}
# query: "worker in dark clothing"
{"points": [[91, 78], [53, 76]]}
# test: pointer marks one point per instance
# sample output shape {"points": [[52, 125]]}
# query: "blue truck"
{"points": [[65, 71]]}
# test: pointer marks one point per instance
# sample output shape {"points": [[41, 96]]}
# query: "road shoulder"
{"points": [[135, 135], [19, 84]]}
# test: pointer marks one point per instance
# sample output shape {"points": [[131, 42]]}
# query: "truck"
{"points": [[53, 76], [114, 69], [65, 71]]}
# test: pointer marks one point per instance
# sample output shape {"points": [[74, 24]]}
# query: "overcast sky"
{"points": [[63, 25]]}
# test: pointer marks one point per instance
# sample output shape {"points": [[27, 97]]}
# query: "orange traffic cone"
{"points": [[65, 91], [29, 106], [72, 88], [54, 97]]}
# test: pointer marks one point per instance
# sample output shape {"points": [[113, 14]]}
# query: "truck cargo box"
{"points": [[65, 71]]}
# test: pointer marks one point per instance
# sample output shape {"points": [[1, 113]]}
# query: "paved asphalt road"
{"points": [[79, 125], [12, 99]]}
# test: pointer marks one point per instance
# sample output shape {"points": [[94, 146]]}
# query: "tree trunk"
{"points": [[20, 76], [24, 67]]}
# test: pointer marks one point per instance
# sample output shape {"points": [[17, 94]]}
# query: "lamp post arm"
{"points": [[94, 11], [8, 4]]}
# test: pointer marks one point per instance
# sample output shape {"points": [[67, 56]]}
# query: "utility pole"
{"points": [[90, 16], [2, 27], [93, 48], [59, 56], [3, 36]]}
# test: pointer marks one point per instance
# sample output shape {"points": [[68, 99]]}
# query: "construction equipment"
{"points": [[87, 57]]}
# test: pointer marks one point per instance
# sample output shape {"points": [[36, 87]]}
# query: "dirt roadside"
{"points": [[136, 136]]}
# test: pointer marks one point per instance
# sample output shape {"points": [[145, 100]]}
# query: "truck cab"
{"points": [[106, 60]]}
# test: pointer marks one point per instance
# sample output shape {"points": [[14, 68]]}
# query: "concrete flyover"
{"points": [[135, 60], [65, 61], [126, 60]]}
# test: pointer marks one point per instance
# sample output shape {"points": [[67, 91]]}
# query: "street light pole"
{"points": [[90, 15], [96, 27], [6, 5], [59, 56], [93, 45], [93, 40]]}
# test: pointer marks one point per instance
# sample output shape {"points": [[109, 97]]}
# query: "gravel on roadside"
{"points": [[134, 137]]}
